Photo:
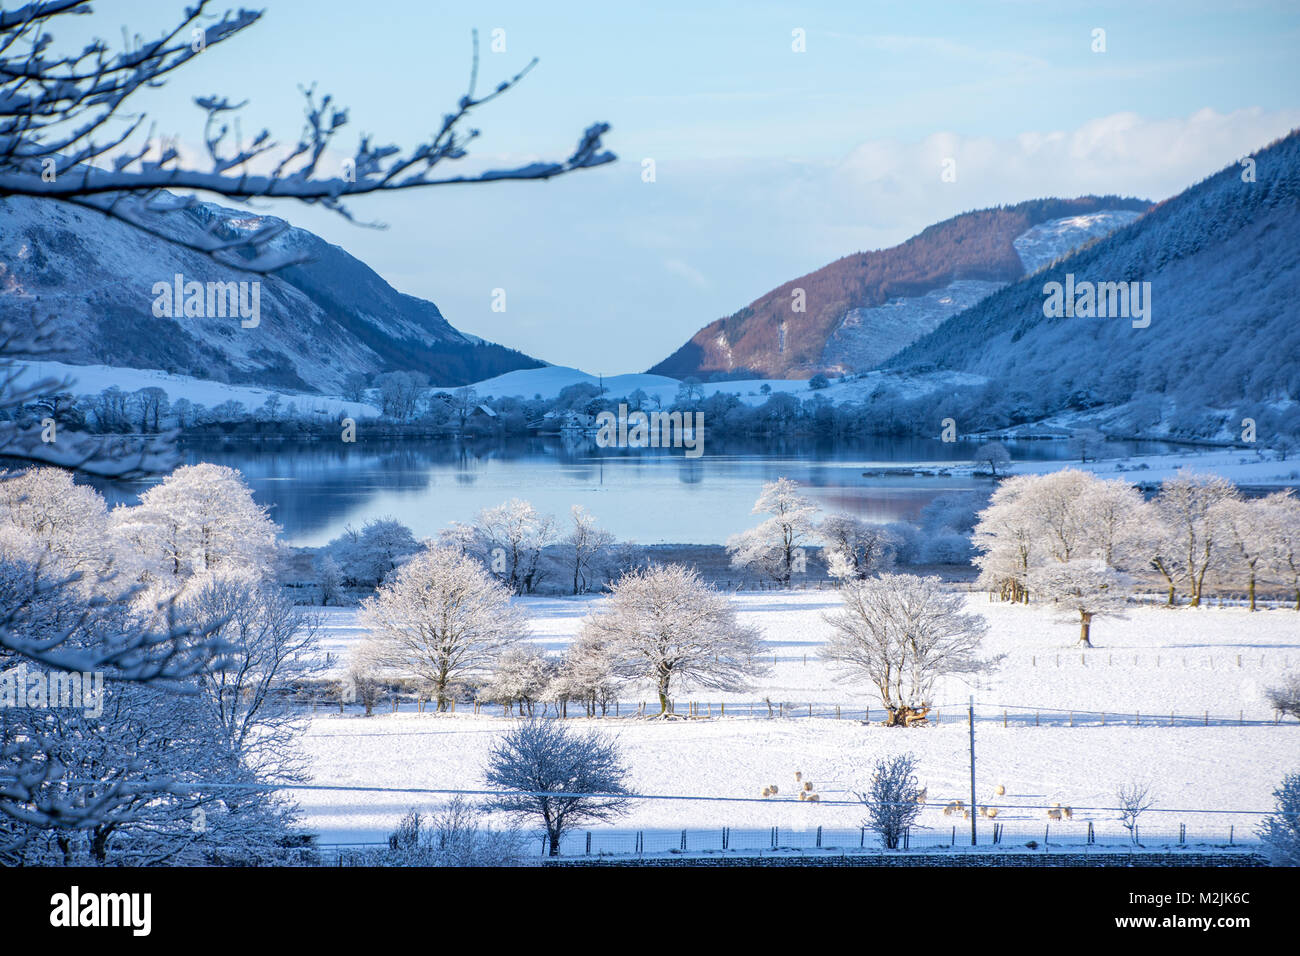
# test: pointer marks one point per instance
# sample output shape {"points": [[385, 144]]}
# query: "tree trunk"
{"points": [[1085, 628], [1252, 590], [553, 838]]}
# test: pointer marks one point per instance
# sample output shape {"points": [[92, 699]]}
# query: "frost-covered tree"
{"points": [[775, 546], [1284, 561], [363, 682], [513, 536], [1033, 521], [330, 576], [1284, 697], [994, 454], [1134, 799], [269, 647], [853, 548], [1188, 505], [1250, 538], [441, 619], [125, 779], [1009, 541], [586, 675], [368, 555], [893, 798], [900, 633], [68, 520], [1280, 832], [666, 626], [1086, 443], [1083, 589], [558, 777], [586, 544], [200, 518], [454, 836], [520, 675]]}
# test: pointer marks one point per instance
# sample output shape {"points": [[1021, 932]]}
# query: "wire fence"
{"points": [[996, 714], [1087, 836]]}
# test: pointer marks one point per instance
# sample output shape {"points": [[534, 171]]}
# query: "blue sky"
{"points": [[769, 162]]}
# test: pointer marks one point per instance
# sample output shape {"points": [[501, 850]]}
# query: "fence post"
{"points": [[683, 841], [819, 836], [588, 843]]}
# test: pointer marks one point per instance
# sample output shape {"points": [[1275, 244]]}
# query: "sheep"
{"points": [[1067, 813], [993, 812], [950, 809], [1053, 814], [798, 775], [803, 795], [921, 797], [1000, 790], [965, 814], [984, 811], [814, 798], [775, 789], [767, 791], [808, 785]]}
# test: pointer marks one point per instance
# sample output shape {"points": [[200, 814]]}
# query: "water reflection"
{"points": [[315, 489]]}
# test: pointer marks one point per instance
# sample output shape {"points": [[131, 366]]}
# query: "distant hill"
{"points": [[862, 308], [1223, 260], [92, 278]]}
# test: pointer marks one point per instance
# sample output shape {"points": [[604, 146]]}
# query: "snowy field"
{"points": [[1120, 696]]}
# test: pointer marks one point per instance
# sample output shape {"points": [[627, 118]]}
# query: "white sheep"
{"points": [[1053, 814], [921, 797], [993, 811], [1067, 813], [1000, 790]]}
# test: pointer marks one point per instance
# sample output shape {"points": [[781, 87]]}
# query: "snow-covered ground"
{"points": [[91, 379], [1154, 663], [1243, 468]]}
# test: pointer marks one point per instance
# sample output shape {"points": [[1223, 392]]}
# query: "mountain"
{"points": [[861, 309], [1223, 262], [93, 279]]}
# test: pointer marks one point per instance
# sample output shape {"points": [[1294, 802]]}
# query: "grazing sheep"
{"points": [[984, 811], [993, 811], [950, 809], [1000, 790], [965, 814], [802, 795], [814, 798], [767, 791], [1053, 814], [1067, 813], [961, 805], [775, 789], [921, 797], [808, 785]]}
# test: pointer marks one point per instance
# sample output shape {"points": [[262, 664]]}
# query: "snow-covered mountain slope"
{"points": [[867, 337], [1223, 262], [94, 279], [857, 311]]}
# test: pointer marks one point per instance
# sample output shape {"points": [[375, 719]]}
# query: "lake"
{"points": [[315, 489]]}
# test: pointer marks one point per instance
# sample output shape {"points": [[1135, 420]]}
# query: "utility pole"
{"points": [[973, 808]]}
